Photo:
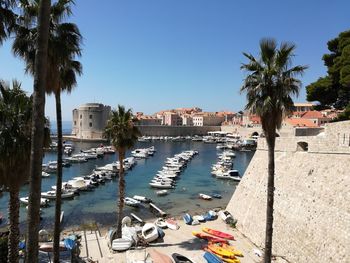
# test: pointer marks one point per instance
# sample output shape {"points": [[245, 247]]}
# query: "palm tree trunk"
{"points": [[14, 227], [33, 220], [121, 194], [57, 230], [270, 139]]}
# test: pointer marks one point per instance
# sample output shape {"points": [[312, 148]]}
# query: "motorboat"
{"points": [[230, 174], [140, 153], [205, 197], [142, 198], [161, 185], [52, 194], [45, 174], [77, 159], [149, 232], [43, 201], [131, 202]]}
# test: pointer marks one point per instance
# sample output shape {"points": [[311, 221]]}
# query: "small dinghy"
{"points": [[188, 219], [171, 223], [178, 258], [217, 196], [199, 218], [121, 244], [211, 215], [149, 232], [162, 192], [160, 222], [205, 197], [131, 202]]}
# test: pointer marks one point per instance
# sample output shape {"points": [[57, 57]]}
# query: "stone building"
{"points": [[207, 119], [89, 121]]}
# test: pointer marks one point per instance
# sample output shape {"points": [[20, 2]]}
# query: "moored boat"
{"points": [[131, 202], [162, 192], [204, 196], [43, 201]]}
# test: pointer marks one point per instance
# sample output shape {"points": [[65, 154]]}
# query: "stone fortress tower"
{"points": [[89, 121]]}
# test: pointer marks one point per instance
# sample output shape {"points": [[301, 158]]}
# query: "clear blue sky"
{"points": [[158, 54]]}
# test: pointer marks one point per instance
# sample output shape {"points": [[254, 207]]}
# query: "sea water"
{"points": [[100, 205]]}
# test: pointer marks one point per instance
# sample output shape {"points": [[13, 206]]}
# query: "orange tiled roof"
{"points": [[312, 115], [299, 122]]}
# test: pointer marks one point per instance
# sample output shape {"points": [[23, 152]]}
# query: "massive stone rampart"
{"points": [[312, 197], [162, 130]]}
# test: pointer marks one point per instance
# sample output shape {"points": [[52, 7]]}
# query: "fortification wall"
{"points": [[161, 130], [312, 208]]}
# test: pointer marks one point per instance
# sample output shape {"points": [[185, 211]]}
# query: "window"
{"points": [[81, 116], [90, 116], [75, 123], [302, 147], [80, 124], [90, 124]]}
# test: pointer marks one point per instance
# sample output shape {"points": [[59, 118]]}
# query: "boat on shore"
{"points": [[149, 232], [205, 197], [172, 224]]}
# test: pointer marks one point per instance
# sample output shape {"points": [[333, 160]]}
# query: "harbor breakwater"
{"points": [[162, 130], [312, 208]]}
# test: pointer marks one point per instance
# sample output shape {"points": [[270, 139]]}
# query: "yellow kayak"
{"points": [[233, 249], [225, 259], [221, 251]]}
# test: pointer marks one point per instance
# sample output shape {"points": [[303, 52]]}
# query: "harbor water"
{"points": [[100, 205]]}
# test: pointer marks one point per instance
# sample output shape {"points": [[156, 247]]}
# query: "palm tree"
{"points": [[123, 133], [270, 84], [38, 124], [64, 44], [15, 131], [7, 19]]}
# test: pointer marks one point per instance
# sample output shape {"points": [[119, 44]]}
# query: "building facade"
{"points": [[207, 119], [172, 119], [89, 121]]}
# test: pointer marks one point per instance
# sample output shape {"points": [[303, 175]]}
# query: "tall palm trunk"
{"points": [[14, 226], [33, 220], [57, 230], [270, 139], [121, 193]]}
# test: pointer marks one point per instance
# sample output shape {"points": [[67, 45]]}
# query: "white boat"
{"points": [[171, 224], [205, 197], [43, 201], [121, 244], [161, 185], [162, 192], [131, 202], [140, 153], [199, 218], [231, 174], [142, 198], [52, 194], [160, 222], [149, 232], [225, 216], [45, 174]]}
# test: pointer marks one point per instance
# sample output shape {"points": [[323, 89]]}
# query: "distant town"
{"points": [[90, 119]]}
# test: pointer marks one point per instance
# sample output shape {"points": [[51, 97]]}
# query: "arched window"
{"points": [[302, 147]]}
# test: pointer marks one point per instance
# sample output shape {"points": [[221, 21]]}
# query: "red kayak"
{"points": [[217, 233], [209, 237]]}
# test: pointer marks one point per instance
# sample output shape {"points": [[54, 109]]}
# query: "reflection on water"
{"points": [[100, 204]]}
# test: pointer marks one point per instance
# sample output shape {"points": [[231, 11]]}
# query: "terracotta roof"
{"points": [[299, 122], [255, 119], [312, 115]]}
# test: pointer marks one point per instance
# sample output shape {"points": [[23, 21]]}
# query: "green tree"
{"points": [[334, 88], [123, 134], [63, 45], [270, 84], [15, 138]]}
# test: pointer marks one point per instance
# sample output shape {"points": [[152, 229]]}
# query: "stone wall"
{"points": [[312, 208], [162, 130]]}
